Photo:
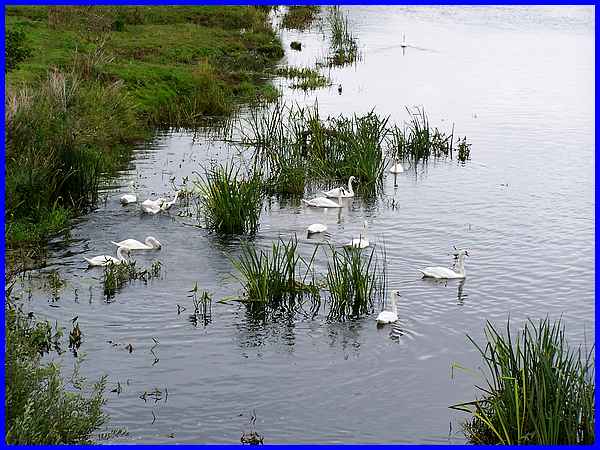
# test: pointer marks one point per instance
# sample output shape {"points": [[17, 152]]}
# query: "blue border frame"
{"points": [[286, 2]]}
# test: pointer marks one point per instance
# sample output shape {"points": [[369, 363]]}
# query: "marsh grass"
{"points": [[539, 390], [202, 302], [304, 78], [354, 282], [279, 278], [231, 204], [343, 45], [300, 17], [115, 276]]}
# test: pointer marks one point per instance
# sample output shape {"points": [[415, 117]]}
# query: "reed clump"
{"points": [[304, 78], [277, 278], [300, 17], [231, 204], [354, 283], [343, 45], [115, 276], [539, 390]]}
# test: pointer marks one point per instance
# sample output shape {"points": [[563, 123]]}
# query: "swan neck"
{"points": [[460, 265], [120, 254], [350, 186], [394, 309]]}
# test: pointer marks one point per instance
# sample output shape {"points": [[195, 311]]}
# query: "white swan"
{"points": [[403, 44], [323, 202], [342, 191], [397, 168], [129, 198], [316, 228], [105, 260], [360, 242], [444, 272], [167, 205], [150, 243], [389, 316], [152, 206]]}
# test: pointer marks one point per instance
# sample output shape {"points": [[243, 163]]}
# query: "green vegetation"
{"points": [[231, 204], [304, 78], [419, 141], [353, 282], [300, 17], [99, 78], [275, 278], [116, 276], [343, 45], [39, 409], [539, 391]]}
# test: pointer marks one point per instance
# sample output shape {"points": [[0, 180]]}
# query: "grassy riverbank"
{"points": [[95, 80]]}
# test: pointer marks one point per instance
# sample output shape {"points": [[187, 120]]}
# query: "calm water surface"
{"points": [[519, 82]]}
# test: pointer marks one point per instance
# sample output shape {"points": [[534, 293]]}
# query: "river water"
{"points": [[519, 83]]}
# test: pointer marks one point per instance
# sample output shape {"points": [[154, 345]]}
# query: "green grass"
{"points": [[231, 204], [275, 278], [300, 17], [40, 409], [115, 276], [303, 78], [538, 389], [98, 79], [343, 45], [354, 283]]}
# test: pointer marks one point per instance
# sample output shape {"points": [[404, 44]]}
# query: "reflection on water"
{"points": [[518, 81]]}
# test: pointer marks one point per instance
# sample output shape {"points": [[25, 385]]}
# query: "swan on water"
{"points": [[105, 260], [390, 316], [167, 205], [323, 202], [129, 198], [152, 206], [316, 228], [342, 191], [444, 272], [150, 243], [403, 44], [397, 168], [360, 242]]}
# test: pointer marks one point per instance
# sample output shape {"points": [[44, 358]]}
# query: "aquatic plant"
{"points": [[343, 45], [231, 204], [300, 17], [354, 283], [539, 390], [278, 277], [304, 78], [464, 149], [202, 306], [116, 276]]}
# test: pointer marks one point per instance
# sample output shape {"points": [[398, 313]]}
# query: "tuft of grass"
{"points": [[354, 283], [277, 278], [303, 78], [115, 276], [231, 204], [343, 45], [300, 17], [539, 390]]}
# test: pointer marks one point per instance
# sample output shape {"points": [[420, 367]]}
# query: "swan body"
{"points": [[397, 168], [444, 272], [105, 260], [403, 44], [389, 316], [360, 242], [129, 198], [167, 205], [342, 191], [323, 202], [316, 228], [149, 243], [152, 206]]}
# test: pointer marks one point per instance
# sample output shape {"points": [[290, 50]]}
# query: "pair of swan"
{"points": [[123, 251], [339, 193], [445, 273], [160, 204], [360, 242]]}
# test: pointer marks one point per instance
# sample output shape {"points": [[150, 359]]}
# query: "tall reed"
{"points": [[232, 204], [354, 283], [539, 390], [343, 45]]}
